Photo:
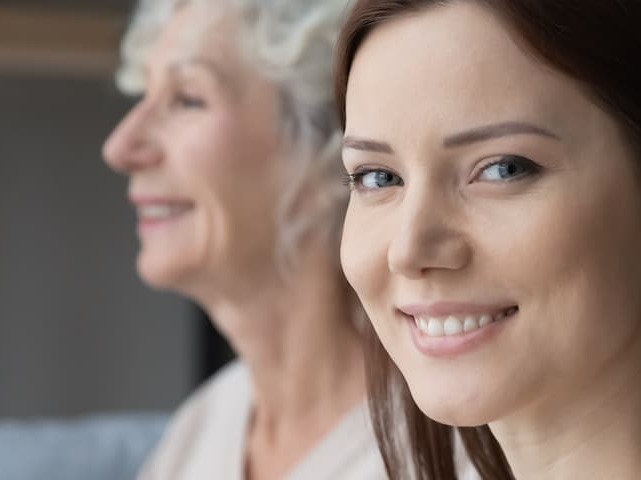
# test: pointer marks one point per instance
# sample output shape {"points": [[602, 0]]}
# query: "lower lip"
{"points": [[455, 345], [149, 225]]}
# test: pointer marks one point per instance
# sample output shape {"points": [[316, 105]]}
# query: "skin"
{"points": [[559, 381], [206, 133]]}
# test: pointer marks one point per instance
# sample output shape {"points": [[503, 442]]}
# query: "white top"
{"points": [[206, 439]]}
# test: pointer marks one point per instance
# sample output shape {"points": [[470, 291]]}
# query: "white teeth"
{"points": [[485, 320], [435, 327], [154, 211], [471, 323], [421, 324], [453, 325], [159, 211]]}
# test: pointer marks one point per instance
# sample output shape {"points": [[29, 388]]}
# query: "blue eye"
{"points": [[373, 180], [506, 168]]}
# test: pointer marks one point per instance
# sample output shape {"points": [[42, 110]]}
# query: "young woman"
{"points": [[233, 162], [493, 151]]}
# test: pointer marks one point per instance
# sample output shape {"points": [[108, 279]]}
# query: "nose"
{"points": [[427, 238], [132, 146]]}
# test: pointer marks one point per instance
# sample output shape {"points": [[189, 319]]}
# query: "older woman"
{"points": [[493, 149], [233, 160]]}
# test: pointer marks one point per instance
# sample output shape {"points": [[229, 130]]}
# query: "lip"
{"points": [[142, 200], [443, 309], [149, 224], [454, 345]]}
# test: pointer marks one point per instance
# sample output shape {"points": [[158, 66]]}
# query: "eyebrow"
{"points": [[366, 145], [475, 135], [496, 130], [210, 66]]}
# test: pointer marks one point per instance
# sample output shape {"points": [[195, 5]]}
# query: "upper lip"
{"points": [[142, 200], [443, 309]]}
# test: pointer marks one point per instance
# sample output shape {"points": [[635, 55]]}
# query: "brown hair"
{"points": [[596, 42]]}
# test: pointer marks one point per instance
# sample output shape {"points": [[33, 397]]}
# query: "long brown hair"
{"points": [[596, 42]]}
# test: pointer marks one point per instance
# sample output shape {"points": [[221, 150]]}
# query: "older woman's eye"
{"points": [[183, 100], [506, 168], [373, 179]]}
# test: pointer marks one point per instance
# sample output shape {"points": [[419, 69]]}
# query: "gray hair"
{"points": [[292, 44]]}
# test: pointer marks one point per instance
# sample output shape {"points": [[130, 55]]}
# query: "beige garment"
{"points": [[205, 439]]}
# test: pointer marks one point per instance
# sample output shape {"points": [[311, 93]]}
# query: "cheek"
{"points": [[364, 263], [210, 144], [364, 258], [572, 261], [223, 135], [214, 163], [349, 253]]}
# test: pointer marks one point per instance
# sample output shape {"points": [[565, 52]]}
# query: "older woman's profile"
{"points": [[233, 160]]}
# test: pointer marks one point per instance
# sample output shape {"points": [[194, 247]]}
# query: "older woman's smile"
{"points": [[155, 212]]}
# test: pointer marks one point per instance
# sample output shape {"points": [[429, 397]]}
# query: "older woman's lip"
{"points": [[154, 212], [160, 211], [141, 200]]}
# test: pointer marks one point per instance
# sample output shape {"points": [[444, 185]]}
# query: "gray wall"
{"points": [[121, 6], [78, 330]]}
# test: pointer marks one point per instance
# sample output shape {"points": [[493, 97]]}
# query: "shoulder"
{"points": [[230, 381], [220, 402], [228, 384], [348, 451]]}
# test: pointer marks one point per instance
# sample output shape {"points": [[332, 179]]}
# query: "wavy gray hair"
{"points": [[291, 42]]}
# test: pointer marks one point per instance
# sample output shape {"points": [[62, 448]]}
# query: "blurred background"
{"points": [[79, 333]]}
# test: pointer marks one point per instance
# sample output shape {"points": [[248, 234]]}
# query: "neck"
{"points": [[594, 433], [305, 359], [299, 348]]}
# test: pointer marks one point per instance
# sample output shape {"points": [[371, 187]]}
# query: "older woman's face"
{"points": [[494, 228], [200, 152]]}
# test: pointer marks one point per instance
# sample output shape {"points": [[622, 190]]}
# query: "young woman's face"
{"points": [[200, 151], [494, 228]]}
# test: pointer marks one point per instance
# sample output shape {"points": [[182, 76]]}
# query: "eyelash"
{"points": [[355, 180], [528, 168]]}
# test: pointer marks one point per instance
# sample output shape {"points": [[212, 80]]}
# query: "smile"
{"points": [[451, 325], [450, 329], [159, 212]]}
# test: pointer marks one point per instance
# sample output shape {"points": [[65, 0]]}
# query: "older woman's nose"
{"points": [[131, 146], [427, 238]]}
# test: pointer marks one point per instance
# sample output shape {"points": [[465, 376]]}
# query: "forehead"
{"points": [[457, 65], [193, 31]]}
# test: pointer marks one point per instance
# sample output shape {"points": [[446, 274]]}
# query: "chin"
{"points": [[455, 415], [161, 274], [454, 418], [452, 406]]}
